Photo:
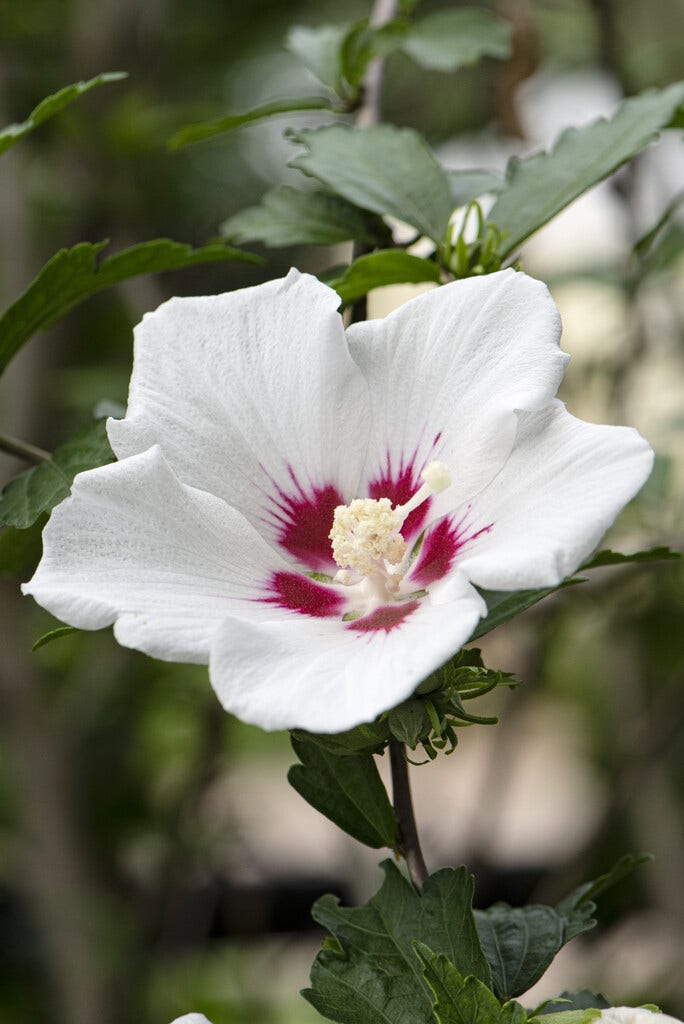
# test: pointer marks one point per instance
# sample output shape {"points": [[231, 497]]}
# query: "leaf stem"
{"points": [[23, 449], [409, 844]]}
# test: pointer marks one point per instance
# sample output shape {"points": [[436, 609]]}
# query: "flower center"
{"points": [[366, 534]]}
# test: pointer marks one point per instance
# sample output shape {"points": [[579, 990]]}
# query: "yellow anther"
{"points": [[365, 534]]}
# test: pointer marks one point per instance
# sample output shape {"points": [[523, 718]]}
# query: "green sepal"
{"points": [[376, 978], [53, 634], [39, 489], [410, 723], [52, 105], [347, 790]]}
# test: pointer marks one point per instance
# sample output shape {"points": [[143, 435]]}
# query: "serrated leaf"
{"points": [[39, 489], [377, 269], [459, 1000], [52, 105], [320, 49], [540, 186], [521, 942], [288, 216], [378, 978], [383, 169], [409, 723], [347, 790], [603, 558], [469, 185], [73, 275], [54, 634], [451, 39], [20, 548], [503, 605], [582, 1000], [220, 125]]}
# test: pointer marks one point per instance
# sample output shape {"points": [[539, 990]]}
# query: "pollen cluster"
{"points": [[365, 535]]}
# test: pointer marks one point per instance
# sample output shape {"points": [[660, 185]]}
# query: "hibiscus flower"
{"points": [[310, 511]]}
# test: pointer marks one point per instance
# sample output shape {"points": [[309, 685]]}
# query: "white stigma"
{"points": [[366, 537]]}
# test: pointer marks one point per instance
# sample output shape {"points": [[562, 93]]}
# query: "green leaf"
{"points": [[582, 1000], [39, 489], [388, 266], [54, 634], [20, 548], [365, 42], [228, 123], [52, 105], [409, 723], [320, 49], [602, 558], [521, 942], [460, 1000], [503, 605], [288, 216], [347, 790], [383, 169], [373, 975], [73, 275], [469, 185], [369, 738], [451, 39], [568, 1017], [542, 185]]}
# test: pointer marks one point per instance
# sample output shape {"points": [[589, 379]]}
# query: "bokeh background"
{"points": [[153, 859]]}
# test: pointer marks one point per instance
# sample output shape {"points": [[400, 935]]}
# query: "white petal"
{"points": [[252, 396], [324, 675], [561, 488], [635, 1015], [166, 561], [447, 371], [192, 1018]]}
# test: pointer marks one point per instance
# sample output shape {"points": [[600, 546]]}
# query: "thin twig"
{"points": [[409, 844], [23, 450]]}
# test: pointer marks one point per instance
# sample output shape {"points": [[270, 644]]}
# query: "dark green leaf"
{"points": [[320, 49], [73, 275], [521, 942], [383, 169], [39, 489], [583, 1000], [389, 266], [220, 125], [539, 187], [54, 634], [52, 105], [362, 739], [376, 978], [288, 216], [460, 1000], [469, 185], [450, 39], [347, 790], [503, 605], [20, 549], [409, 723], [601, 558]]}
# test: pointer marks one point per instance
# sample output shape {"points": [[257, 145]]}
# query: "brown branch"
{"points": [[409, 843], [23, 449]]}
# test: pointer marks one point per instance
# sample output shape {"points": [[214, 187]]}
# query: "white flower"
{"points": [[191, 1018], [252, 416], [634, 1015]]}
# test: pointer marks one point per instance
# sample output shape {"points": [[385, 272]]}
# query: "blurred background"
{"points": [[153, 859]]}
